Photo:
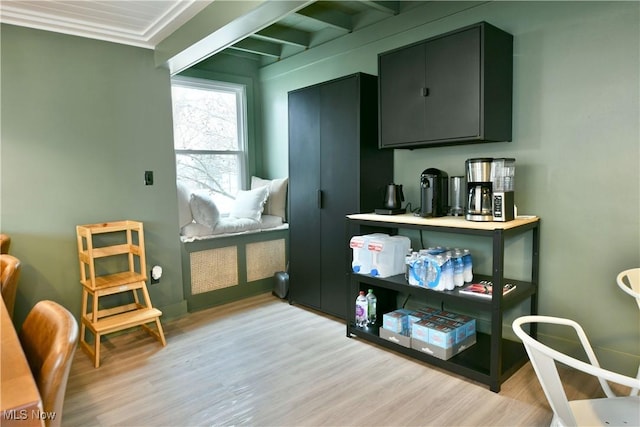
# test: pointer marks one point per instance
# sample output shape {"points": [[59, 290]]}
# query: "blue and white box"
{"points": [[396, 321]]}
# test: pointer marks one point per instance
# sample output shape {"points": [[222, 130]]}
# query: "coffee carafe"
{"points": [[480, 189]]}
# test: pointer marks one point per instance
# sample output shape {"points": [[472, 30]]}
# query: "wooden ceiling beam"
{"points": [[258, 47], [332, 18], [281, 34], [390, 7]]}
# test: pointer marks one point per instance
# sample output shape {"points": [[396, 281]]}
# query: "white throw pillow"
{"points": [[277, 202], [250, 204], [204, 209], [184, 211]]}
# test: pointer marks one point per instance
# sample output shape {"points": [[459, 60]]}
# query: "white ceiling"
{"points": [[142, 23]]}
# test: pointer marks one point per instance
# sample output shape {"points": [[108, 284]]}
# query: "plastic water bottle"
{"points": [[467, 272], [409, 260], [434, 275], [447, 273], [407, 263], [458, 268], [372, 303], [362, 308]]}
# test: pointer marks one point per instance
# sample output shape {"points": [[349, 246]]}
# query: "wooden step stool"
{"points": [[115, 279]]}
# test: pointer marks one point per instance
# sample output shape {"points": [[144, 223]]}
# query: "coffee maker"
{"points": [[434, 193], [502, 179], [479, 189]]}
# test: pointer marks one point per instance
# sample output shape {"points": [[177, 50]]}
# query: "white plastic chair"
{"points": [[608, 411], [629, 282]]}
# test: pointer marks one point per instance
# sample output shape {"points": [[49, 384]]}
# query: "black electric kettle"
{"points": [[394, 197]]}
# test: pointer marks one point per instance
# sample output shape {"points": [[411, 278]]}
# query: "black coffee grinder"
{"points": [[434, 193]]}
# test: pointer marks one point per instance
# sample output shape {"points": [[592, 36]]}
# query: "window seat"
{"points": [[230, 257], [227, 267]]}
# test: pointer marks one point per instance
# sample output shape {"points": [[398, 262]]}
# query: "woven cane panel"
{"points": [[214, 269], [264, 259]]}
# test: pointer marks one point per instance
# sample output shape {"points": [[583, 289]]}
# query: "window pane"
{"points": [[204, 119], [218, 173]]}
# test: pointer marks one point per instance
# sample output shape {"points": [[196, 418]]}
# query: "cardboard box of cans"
{"points": [[441, 334]]}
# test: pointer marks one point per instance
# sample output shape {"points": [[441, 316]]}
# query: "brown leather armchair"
{"points": [[10, 268], [5, 242], [49, 338]]}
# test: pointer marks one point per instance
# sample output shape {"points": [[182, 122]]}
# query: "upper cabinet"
{"points": [[451, 89]]}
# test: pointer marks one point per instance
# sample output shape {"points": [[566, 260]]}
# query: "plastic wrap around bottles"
{"points": [[438, 268]]}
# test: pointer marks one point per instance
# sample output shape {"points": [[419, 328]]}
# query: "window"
{"points": [[209, 126]]}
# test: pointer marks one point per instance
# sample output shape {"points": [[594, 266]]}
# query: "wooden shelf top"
{"points": [[445, 221], [109, 227]]}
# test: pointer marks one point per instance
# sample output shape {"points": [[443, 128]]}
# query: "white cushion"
{"points": [[250, 204], [195, 229], [270, 221], [277, 202], [230, 225], [184, 211], [204, 209]]}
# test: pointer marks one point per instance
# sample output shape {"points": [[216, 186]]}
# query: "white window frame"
{"points": [[240, 91]]}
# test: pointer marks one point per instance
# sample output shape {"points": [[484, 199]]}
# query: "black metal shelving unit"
{"points": [[493, 359]]}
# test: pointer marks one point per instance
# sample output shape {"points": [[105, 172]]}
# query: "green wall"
{"points": [[575, 137], [82, 120]]}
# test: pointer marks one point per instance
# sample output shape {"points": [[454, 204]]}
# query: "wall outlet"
{"points": [[148, 177], [155, 274]]}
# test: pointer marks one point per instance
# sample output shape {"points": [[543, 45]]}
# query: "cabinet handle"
{"points": [[425, 91], [319, 199]]}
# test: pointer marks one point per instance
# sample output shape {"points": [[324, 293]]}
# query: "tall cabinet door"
{"points": [[333, 161], [339, 170], [304, 197]]}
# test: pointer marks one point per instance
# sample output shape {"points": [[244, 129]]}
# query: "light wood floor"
{"points": [[263, 362]]}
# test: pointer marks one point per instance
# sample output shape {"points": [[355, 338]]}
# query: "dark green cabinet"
{"points": [[451, 89], [335, 168]]}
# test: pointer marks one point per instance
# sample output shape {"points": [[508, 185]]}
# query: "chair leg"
{"points": [[161, 333], [83, 331], [96, 351]]}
